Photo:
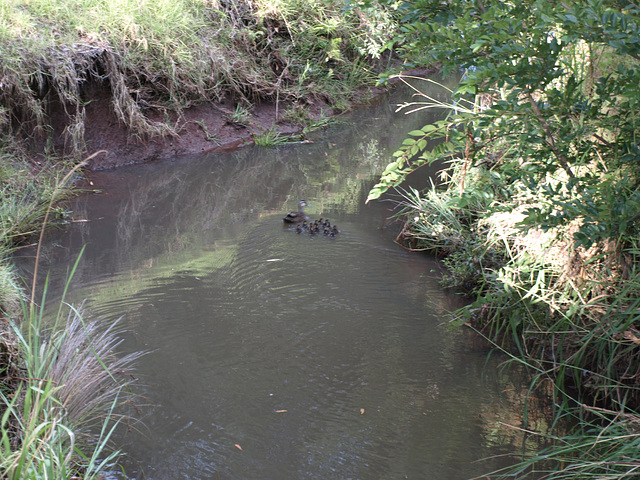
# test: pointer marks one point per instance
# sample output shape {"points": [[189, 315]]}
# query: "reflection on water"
{"points": [[274, 355]]}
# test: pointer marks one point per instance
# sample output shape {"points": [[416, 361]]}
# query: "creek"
{"points": [[277, 355]]}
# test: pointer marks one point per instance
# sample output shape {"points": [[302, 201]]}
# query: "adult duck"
{"points": [[299, 216]]}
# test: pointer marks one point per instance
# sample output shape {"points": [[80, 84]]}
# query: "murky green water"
{"points": [[275, 355]]}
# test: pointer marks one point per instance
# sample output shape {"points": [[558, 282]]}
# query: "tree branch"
{"points": [[550, 140]]}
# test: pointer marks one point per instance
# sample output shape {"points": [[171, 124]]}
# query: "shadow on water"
{"points": [[277, 355]]}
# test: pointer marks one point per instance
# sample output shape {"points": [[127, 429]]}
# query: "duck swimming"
{"points": [[299, 216]]}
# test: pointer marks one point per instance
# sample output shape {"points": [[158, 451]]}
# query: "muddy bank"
{"points": [[199, 129]]}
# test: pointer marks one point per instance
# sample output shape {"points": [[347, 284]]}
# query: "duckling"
{"points": [[326, 230], [299, 216], [299, 228], [334, 232]]}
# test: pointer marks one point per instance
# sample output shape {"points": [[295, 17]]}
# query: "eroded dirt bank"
{"points": [[200, 129]]}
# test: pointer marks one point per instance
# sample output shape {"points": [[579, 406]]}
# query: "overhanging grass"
{"points": [[168, 54], [603, 447], [70, 384], [25, 196], [571, 314], [57, 376]]}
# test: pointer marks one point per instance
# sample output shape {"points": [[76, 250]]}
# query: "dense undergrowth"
{"points": [[537, 215], [155, 58]]}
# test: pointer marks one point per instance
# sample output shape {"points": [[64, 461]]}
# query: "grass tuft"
{"points": [[271, 138], [69, 384], [60, 377]]}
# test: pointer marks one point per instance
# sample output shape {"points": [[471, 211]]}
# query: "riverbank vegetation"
{"points": [[537, 215], [64, 389], [158, 58], [152, 60], [536, 218]]}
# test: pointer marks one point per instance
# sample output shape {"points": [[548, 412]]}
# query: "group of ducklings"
{"points": [[315, 227], [318, 226]]}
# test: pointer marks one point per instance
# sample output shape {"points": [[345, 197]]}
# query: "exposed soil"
{"points": [[201, 129]]}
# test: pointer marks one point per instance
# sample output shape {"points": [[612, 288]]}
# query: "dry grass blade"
{"points": [[46, 220], [87, 369]]}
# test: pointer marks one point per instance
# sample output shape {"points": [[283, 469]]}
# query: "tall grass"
{"points": [[570, 314], [28, 193], [71, 383], [10, 293], [603, 446]]}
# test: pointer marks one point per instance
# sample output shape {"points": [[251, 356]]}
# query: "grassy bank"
{"points": [[61, 380], [537, 214], [60, 400], [160, 57]]}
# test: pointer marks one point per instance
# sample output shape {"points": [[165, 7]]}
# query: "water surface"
{"points": [[272, 354]]}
